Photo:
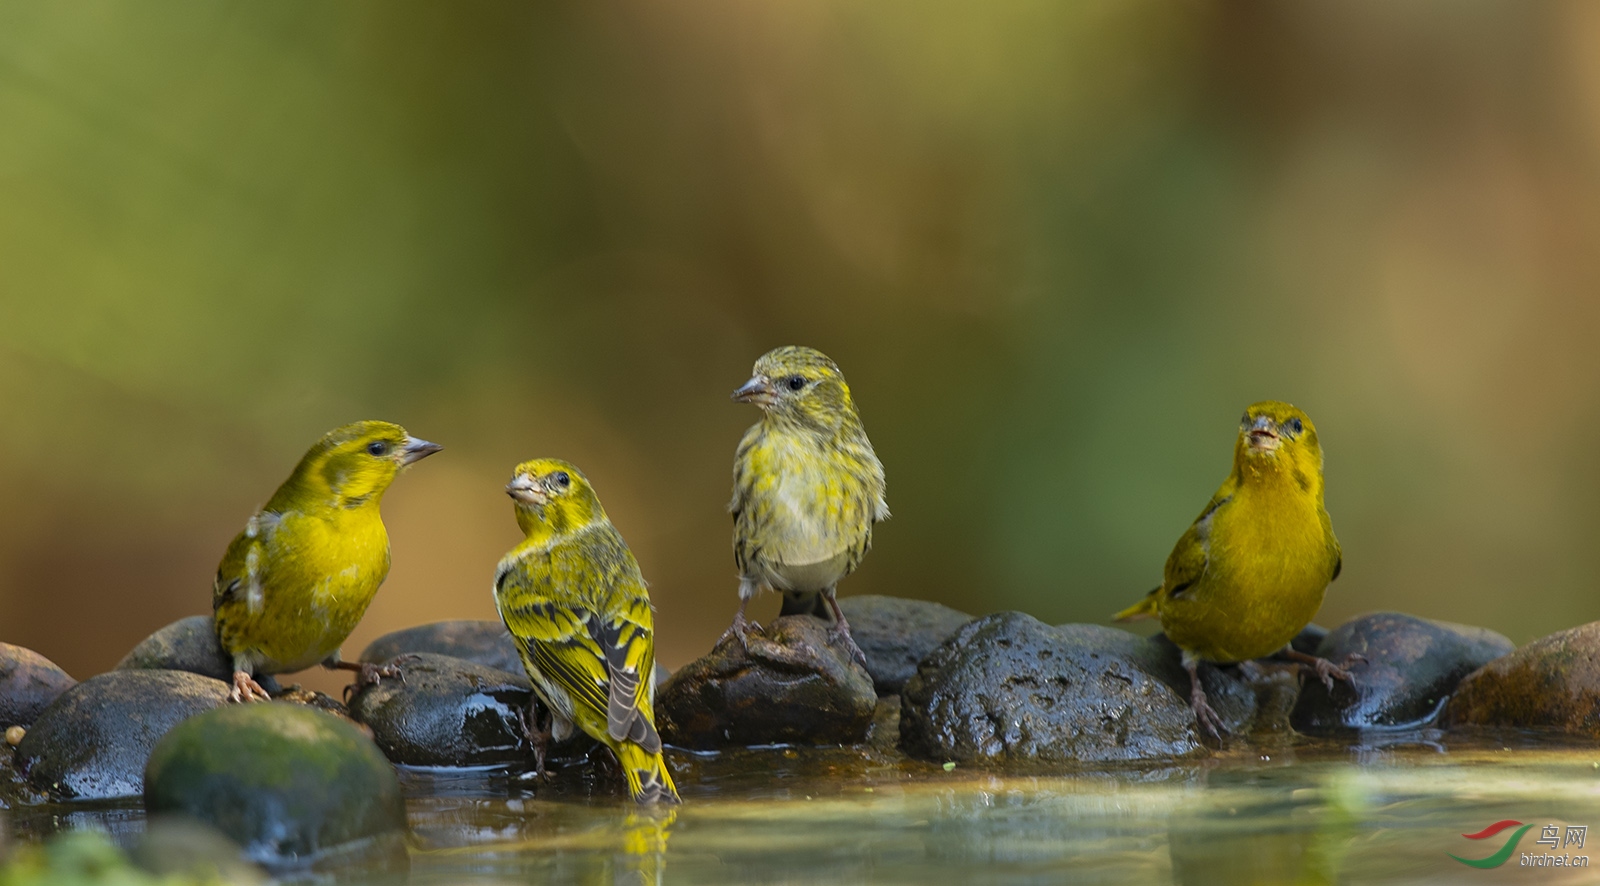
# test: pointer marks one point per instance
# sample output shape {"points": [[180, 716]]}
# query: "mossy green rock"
{"points": [[288, 783]]}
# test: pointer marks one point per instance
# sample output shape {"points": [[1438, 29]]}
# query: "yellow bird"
{"points": [[573, 598], [296, 581], [807, 488], [1250, 573]]}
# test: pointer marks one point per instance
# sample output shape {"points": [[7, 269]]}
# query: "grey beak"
{"points": [[416, 450], [756, 390]]}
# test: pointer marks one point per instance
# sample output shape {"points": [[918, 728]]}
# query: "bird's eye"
{"points": [[795, 382], [1293, 426], [561, 479], [377, 447]]}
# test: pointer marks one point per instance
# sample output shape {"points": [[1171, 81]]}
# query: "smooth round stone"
{"points": [[1412, 666], [292, 785], [188, 644], [795, 684], [93, 741], [486, 642], [29, 682], [1551, 685], [1009, 689], [448, 711], [895, 633]]}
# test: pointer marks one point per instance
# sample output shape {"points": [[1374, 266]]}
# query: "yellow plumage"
{"points": [[807, 486], [1250, 573], [573, 598], [296, 581]]}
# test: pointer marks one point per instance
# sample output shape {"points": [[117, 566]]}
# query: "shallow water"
{"points": [[1385, 811]]}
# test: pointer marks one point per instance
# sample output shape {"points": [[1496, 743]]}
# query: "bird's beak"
{"points": [[1264, 435], [525, 490], [757, 390], [416, 450]]}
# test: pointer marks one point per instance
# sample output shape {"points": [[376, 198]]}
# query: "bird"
{"points": [[296, 581], [1250, 573], [807, 488], [575, 602]]}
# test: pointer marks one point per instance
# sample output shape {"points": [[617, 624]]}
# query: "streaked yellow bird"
{"points": [[807, 488], [1250, 573], [296, 581], [573, 598]]}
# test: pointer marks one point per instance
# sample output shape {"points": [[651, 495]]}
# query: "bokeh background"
{"points": [[1056, 247]]}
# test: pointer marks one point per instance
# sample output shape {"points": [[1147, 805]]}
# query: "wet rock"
{"points": [[14, 789], [486, 642], [1412, 666], [1551, 685], [796, 684], [188, 644], [1230, 689], [1007, 688], [28, 683], [292, 785], [93, 741], [895, 634], [448, 711]]}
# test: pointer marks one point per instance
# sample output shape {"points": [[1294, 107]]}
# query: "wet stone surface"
{"points": [[796, 684], [1007, 688], [294, 786], [487, 643], [1549, 685], [448, 712], [188, 644], [29, 682], [93, 741], [895, 633], [1412, 666]]}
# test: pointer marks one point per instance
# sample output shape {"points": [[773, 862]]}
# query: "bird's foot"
{"points": [[741, 629], [1326, 670], [841, 633], [538, 739], [369, 674], [1204, 714], [246, 689]]}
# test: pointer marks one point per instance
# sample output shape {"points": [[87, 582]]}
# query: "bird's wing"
{"points": [[241, 574], [1192, 552], [581, 611]]}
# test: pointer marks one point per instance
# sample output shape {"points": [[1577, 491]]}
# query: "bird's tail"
{"points": [[1146, 608], [648, 779]]}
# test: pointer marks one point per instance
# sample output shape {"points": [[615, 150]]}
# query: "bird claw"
{"points": [[856, 655], [245, 689], [369, 674], [741, 629], [1327, 671], [1207, 717]]}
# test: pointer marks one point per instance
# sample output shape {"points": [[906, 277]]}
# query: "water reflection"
{"points": [[1311, 813]]}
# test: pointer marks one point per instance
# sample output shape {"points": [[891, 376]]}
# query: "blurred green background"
{"points": [[1056, 247]]}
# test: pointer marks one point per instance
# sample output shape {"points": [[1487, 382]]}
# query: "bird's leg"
{"points": [[1326, 671], [841, 629], [1204, 714], [367, 673], [538, 736], [741, 626], [245, 689]]}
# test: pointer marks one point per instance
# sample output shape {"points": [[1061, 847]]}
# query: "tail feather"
{"points": [[647, 775], [1149, 607]]}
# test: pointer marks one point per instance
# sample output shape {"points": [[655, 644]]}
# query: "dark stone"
{"points": [[290, 784], [895, 633], [796, 684], [14, 789], [1309, 638], [1412, 665], [93, 741], [448, 712], [1007, 688], [188, 644], [28, 683], [1550, 685], [1230, 689], [486, 642]]}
